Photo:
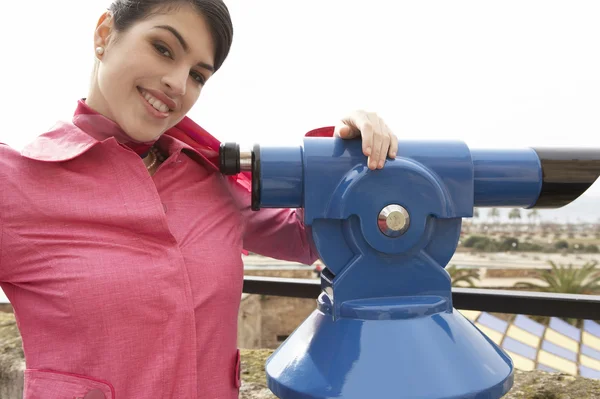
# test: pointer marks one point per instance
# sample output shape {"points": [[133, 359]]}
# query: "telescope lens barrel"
{"points": [[566, 174]]}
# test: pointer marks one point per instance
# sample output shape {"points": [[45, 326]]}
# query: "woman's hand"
{"points": [[378, 141]]}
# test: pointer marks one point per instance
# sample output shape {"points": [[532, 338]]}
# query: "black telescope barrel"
{"points": [[566, 174], [229, 158]]}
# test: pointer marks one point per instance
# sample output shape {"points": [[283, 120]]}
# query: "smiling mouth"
{"points": [[154, 102]]}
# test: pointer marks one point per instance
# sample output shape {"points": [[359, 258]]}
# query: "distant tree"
{"points": [[533, 215], [494, 214], [458, 275], [515, 213], [472, 240], [567, 279], [562, 244], [481, 243], [509, 244]]}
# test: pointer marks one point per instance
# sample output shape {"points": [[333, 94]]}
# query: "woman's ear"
{"points": [[103, 32]]}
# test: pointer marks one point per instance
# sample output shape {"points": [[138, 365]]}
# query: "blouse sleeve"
{"points": [[276, 233]]}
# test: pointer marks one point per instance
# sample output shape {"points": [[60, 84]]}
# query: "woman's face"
{"points": [[151, 75]]}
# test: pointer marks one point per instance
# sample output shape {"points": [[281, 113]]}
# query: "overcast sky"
{"points": [[493, 74]]}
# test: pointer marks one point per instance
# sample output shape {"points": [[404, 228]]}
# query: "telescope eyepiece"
{"points": [[229, 158]]}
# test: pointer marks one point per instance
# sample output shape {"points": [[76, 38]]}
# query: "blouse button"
{"points": [[164, 207]]}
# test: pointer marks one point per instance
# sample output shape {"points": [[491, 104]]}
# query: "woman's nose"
{"points": [[176, 82]]}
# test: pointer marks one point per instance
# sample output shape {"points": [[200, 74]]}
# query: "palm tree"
{"points": [[515, 213], [494, 214], [568, 280], [533, 214], [458, 275]]}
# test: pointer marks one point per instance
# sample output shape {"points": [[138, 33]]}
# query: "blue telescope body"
{"points": [[384, 325]]}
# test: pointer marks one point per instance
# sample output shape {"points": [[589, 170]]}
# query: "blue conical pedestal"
{"points": [[409, 347]]}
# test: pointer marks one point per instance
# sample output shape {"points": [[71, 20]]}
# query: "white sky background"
{"points": [[493, 74]]}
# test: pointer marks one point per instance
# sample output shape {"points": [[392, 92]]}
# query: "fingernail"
{"points": [[393, 154], [381, 164], [368, 150]]}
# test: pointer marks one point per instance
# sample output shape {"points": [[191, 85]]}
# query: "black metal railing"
{"points": [[501, 301]]}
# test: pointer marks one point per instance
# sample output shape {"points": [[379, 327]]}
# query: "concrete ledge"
{"points": [[528, 385]]}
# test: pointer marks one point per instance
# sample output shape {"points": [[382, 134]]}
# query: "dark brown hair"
{"points": [[128, 12]]}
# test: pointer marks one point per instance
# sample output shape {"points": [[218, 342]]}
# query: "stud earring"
{"points": [[99, 50]]}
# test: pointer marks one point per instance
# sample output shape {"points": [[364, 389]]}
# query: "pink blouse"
{"points": [[126, 285]]}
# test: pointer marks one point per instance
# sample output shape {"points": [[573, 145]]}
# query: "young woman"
{"points": [[120, 242]]}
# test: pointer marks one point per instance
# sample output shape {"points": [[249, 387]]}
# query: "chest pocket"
{"points": [[41, 384]]}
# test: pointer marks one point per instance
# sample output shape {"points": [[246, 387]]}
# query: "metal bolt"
{"points": [[393, 220]]}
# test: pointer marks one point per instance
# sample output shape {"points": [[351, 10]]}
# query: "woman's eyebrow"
{"points": [[184, 44]]}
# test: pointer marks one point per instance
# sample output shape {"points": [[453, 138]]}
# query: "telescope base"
{"points": [[436, 356]]}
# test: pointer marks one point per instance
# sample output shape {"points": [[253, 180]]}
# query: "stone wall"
{"points": [[6, 308], [266, 321], [12, 362], [250, 322], [281, 316]]}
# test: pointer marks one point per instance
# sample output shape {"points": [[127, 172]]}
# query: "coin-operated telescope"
{"points": [[384, 326]]}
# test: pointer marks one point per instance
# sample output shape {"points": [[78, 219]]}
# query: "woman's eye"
{"points": [[197, 77], [163, 50]]}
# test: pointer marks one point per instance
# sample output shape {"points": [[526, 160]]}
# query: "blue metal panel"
{"points": [[593, 353], [589, 373], [493, 322], [529, 325], [565, 328], [519, 348], [547, 369], [559, 351], [592, 327]]}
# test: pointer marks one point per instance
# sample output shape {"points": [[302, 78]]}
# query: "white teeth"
{"points": [[155, 102]]}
